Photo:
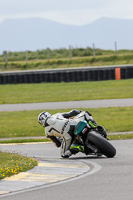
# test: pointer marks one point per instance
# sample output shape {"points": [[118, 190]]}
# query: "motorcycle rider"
{"points": [[61, 125]]}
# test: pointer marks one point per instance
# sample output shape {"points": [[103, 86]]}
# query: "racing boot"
{"points": [[76, 149]]}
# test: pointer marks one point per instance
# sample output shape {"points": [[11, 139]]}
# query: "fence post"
{"points": [[27, 57], [48, 54], [70, 53], [115, 48], [6, 58], [94, 50]]}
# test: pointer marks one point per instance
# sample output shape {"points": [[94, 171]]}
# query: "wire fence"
{"points": [[48, 54]]}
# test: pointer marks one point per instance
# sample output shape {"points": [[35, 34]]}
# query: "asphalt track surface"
{"points": [[108, 178], [68, 105]]}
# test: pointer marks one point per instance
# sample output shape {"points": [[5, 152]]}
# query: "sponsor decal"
{"points": [[84, 130]]}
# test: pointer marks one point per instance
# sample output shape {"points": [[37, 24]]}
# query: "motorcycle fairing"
{"points": [[80, 127]]}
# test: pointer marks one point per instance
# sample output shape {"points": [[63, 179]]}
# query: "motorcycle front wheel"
{"points": [[101, 143]]}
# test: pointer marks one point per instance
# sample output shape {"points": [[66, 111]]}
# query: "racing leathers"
{"points": [[61, 125]]}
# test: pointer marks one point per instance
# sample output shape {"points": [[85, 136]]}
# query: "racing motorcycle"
{"points": [[92, 141]]}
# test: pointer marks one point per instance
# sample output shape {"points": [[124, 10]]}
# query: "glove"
{"points": [[92, 123]]}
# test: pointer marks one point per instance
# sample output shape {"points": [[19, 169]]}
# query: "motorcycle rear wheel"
{"points": [[101, 143]]}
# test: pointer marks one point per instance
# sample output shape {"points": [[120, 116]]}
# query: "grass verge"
{"points": [[10, 141], [25, 123], [13, 164], [120, 137], [52, 92], [79, 61]]}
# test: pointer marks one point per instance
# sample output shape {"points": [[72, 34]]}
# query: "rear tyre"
{"points": [[101, 143]]}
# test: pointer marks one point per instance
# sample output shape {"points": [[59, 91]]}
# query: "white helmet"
{"points": [[42, 118]]}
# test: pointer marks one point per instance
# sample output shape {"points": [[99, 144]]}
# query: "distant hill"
{"points": [[36, 33]]}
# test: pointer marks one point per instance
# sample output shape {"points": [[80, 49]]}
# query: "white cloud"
{"points": [[10, 6], [77, 12]]}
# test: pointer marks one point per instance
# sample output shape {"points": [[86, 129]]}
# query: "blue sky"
{"points": [[76, 12]]}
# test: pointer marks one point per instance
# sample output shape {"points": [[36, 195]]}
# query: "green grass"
{"points": [[120, 137], [25, 124], [17, 140], [13, 164], [80, 57], [52, 92], [61, 54]]}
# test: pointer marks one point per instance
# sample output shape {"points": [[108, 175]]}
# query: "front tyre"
{"points": [[101, 143]]}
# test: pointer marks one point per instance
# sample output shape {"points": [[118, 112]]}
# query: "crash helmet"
{"points": [[42, 118]]}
